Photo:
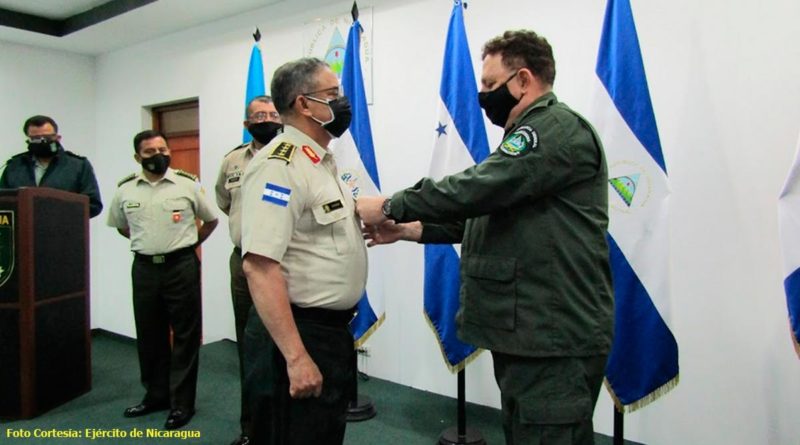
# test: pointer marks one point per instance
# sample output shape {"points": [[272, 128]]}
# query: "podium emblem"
{"points": [[6, 245]]}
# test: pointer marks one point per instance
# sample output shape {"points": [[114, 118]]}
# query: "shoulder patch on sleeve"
{"points": [[237, 147], [283, 151], [522, 140], [186, 174], [74, 155], [126, 179]]}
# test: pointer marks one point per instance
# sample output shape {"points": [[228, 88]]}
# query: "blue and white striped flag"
{"points": [[789, 221], [355, 160], [255, 82], [460, 143], [643, 363]]}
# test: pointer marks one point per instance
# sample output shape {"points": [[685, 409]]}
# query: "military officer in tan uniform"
{"points": [[263, 123], [305, 262], [156, 208]]}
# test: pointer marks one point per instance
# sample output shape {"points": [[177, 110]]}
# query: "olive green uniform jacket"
{"points": [[532, 219], [67, 171]]}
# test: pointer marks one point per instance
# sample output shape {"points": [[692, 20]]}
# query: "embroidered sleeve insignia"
{"points": [[520, 141]]}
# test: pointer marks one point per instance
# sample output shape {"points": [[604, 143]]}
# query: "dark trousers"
{"points": [[242, 302], [167, 295], [548, 400], [279, 419]]}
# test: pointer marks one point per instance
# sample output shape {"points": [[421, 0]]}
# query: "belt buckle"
{"points": [[159, 259]]}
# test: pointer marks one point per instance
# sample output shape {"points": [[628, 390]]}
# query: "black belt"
{"points": [[324, 316], [165, 258]]}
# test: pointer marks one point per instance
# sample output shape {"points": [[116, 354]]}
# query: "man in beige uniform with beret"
{"points": [[156, 209], [305, 262], [263, 123]]}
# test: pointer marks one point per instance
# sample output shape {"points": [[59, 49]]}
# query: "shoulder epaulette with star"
{"points": [[186, 174], [126, 179], [74, 155], [237, 147], [283, 151]]}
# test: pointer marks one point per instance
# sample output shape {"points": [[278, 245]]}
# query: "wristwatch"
{"points": [[386, 208]]}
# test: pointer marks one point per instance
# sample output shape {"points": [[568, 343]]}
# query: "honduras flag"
{"points": [[643, 363], [355, 160], [789, 221], [460, 142], [255, 81]]}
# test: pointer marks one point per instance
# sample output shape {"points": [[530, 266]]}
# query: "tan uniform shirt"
{"points": [[229, 188], [160, 215], [296, 211]]}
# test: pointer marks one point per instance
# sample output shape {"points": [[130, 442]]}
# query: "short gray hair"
{"points": [[263, 98], [293, 79]]}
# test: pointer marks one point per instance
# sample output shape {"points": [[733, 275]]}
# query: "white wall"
{"points": [[723, 78]]}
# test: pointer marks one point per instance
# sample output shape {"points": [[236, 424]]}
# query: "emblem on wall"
{"points": [[326, 39]]}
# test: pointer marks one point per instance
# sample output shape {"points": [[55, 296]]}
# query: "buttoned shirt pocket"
{"points": [[335, 225], [135, 212], [179, 210], [490, 291]]}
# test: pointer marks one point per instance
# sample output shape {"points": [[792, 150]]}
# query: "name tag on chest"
{"points": [[333, 205]]}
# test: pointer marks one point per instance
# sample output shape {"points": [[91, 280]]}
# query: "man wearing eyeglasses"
{"points": [[305, 262], [47, 164], [263, 123]]}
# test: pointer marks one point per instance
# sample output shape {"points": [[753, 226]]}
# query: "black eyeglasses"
{"points": [[336, 90]]}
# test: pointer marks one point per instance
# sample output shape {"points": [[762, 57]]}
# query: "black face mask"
{"points": [[263, 132], [341, 114], [498, 103], [43, 147], [157, 164]]}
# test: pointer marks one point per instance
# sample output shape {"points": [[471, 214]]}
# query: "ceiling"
{"points": [[98, 26]]}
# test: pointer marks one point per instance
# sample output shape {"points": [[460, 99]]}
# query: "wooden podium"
{"points": [[45, 349]]}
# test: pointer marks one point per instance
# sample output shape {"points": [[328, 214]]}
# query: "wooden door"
{"points": [[180, 123]]}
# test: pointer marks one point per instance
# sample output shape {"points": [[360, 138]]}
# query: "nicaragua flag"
{"points": [[643, 363], [355, 160], [460, 142], [789, 222], [255, 82]]}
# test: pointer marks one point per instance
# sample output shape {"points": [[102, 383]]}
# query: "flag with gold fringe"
{"points": [[460, 143], [643, 363], [355, 160]]}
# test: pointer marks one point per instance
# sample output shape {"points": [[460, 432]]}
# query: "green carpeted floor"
{"points": [[405, 416]]}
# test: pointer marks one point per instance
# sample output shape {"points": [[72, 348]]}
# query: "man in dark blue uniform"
{"points": [[47, 164]]}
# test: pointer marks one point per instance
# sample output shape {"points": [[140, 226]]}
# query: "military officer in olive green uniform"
{"points": [[305, 262], [263, 123], [156, 209], [532, 218]]}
